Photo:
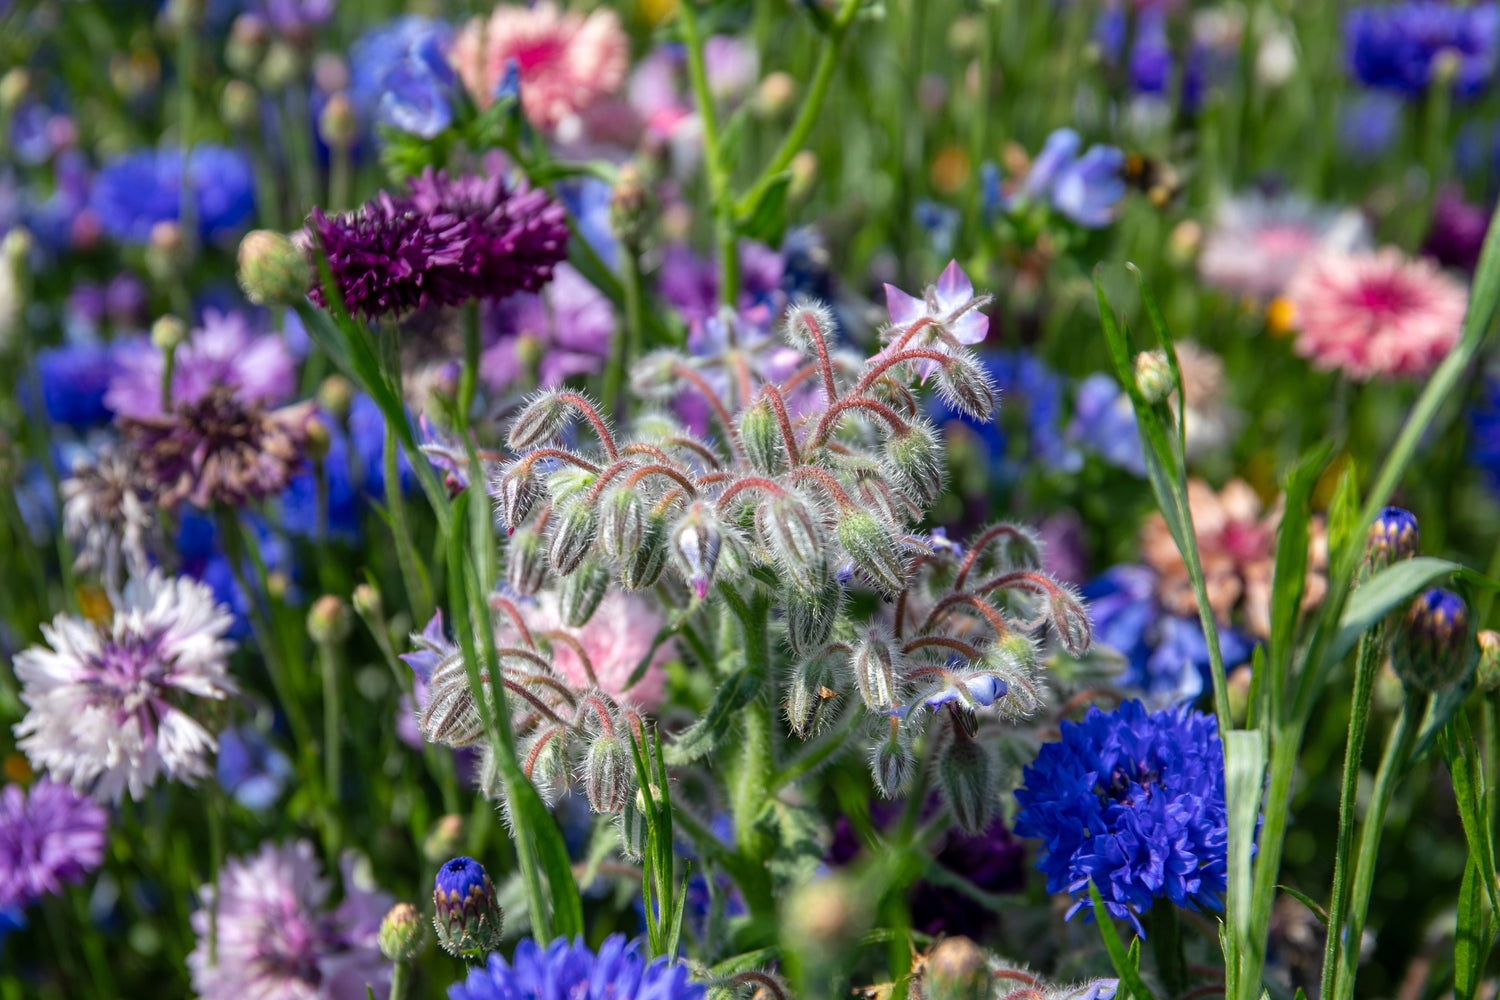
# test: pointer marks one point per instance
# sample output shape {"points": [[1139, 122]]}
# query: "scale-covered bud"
{"points": [[621, 522], [515, 492], [1435, 648], [1393, 537], [966, 777], [329, 621], [607, 772], [794, 533], [272, 271], [401, 933], [540, 422], [761, 435], [957, 970], [811, 614], [892, 765], [874, 549], [876, 661], [1153, 376], [468, 917], [643, 568], [579, 593], [526, 562], [573, 528], [809, 694], [966, 387], [914, 458], [695, 543], [1488, 672]]}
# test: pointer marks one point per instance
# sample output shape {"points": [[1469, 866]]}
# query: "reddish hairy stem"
{"points": [[749, 483], [614, 469], [830, 417], [582, 405], [533, 700], [731, 434], [942, 640], [551, 682], [977, 548], [827, 481], [572, 643], [799, 376], [606, 724], [500, 602], [696, 447], [742, 374], [535, 753], [784, 422], [886, 363], [662, 470], [559, 453], [997, 622], [815, 331], [1022, 579]]}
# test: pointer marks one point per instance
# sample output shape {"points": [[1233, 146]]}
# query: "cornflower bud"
{"points": [[621, 523], [445, 837], [606, 775], [629, 206], [468, 917], [329, 621], [526, 562], [366, 601], [1488, 672], [1153, 376], [811, 614], [967, 780], [643, 568], [914, 458], [794, 534], [515, 492], [775, 93], [892, 765], [168, 333], [238, 105], [877, 668], [695, 543], [761, 435], [957, 970], [966, 387], [280, 67], [1393, 537], [335, 396], [1435, 649], [337, 124], [873, 549], [166, 255], [573, 528], [808, 695], [318, 439], [579, 593], [247, 37], [540, 422], [272, 271], [401, 933]]}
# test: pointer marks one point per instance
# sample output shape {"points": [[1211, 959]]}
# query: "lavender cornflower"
{"points": [[112, 708], [108, 517], [134, 192], [1400, 46], [296, 19], [561, 332], [277, 936], [566, 970], [1133, 802], [49, 835], [397, 72]]}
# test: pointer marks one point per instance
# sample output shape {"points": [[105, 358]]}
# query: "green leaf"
{"points": [[1244, 782], [1343, 512], [1125, 968], [800, 841], [1373, 599], [1472, 939], [1469, 792], [765, 219], [1306, 901], [1289, 578], [742, 687]]}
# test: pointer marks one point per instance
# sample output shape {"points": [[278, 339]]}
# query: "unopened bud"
{"points": [[366, 601], [695, 544], [635, 826], [966, 777], [337, 124], [329, 621], [539, 423], [1436, 648], [808, 696], [247, 39], [573, 528], [1488, 672], [515, 492], [794, 533], [957, 970], [761, 436], [168, 333], [526, 562], [873, 549], [335, 396], [277, 584], [280, 67], [318, 439], [401, 933], [606, 775], [165, 251], [877, 668], [238, 105], [13, 87], [804, 168], [643, 568], [1393, 537], [1445, 66], [811, 614], [545, 766], [966, 387], [468, 917], [629, 206], [444, 839], [1071, 621], [914, 459], [621, 523], [330, 72], [892, 765], [1153, 376], [823, 917], [272, 271], [775, 93], [579, 593]]}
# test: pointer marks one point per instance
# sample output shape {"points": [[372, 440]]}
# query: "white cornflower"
{"points": [[108, 518]]}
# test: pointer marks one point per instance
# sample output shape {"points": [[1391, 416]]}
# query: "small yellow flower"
{"points": [[1281, 316]]}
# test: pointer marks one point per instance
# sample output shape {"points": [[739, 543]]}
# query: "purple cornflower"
{"points": [[134, 192], [1133, 802], [297, 18], [1399, 46], [1457, 231], [556, 334], [224, 351], [516, 234], [389, 259], [109, 708], [690, 283], [277, 936], [569, 970], [49, 835]]}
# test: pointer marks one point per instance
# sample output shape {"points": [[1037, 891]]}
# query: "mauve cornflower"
{"points": [[562, 332], [1133, 802], [1456, 233], [516, 234], [133, 192], [388, 259], [567, 62], [49, 835], [276, 936], [109, 516], [223, 351], [1377, 314], [569, 970], [110, 708], [1399, 46], [690, 283], [1258, 242]]}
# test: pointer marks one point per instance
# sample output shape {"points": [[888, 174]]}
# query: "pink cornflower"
{"points": [[1376, 314], [615, 639], [1258, 243], [567, 62]]}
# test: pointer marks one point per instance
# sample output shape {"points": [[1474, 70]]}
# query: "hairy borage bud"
{"points": [[579, 593], [966, 387], [809, 692], [401, 933], [573, 527], [515, 492], [877, 667], [873, 549], [794, 533], [606, 775], [635, 827], [892, 765], [1153, 376], [914, 458], [546, 767], [468, 917], [540, 422], [761, 436], [526, 562], [1436, 648], [643, 568], [621, 522], [966, 777], [1071, 620], [696, 541], [811, 614]]}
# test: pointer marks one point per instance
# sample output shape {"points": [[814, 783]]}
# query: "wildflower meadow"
{"points": [[749, 499]]}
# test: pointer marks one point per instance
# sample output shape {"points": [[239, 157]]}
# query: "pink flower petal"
{"points": [[954, 287], [903, 308]]}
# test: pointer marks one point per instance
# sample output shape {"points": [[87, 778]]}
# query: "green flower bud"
{"points": [[1488, 673], [811, 614], [366, 601], [238, 105], [168, 333], [280, 67], [1153, 376], [809, 696], [607, 774], [621, 523], [892, 765], [335, 396], [272, 271], [318, 439], [914, 460], [329, 621], [761, 435], [1435, 649], [695, 543], [874, 550], [643, 568], [13, 87], [337, 123], [966, 387], [573, 528], [247, 39], [402, 934], [539, 423], [526, 562], [957, 969], [580, 592], [793, 531], [966, 777]]}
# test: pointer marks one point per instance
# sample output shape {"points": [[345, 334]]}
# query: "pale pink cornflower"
{"points": [[1376, 314], [1257, 243], [614, 639], [567, 61]]}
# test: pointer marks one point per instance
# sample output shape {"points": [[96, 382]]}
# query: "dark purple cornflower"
{"points": [[515, 234], [1457, 231], [49, 835]]}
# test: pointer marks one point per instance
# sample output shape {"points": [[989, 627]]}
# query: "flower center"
{"points": [[1384, 298], [539, 53], [127, 675]]}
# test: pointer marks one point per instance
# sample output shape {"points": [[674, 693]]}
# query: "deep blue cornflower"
{"points": [[1134, 802], [1484, 421], [73, 380], [367, 440], [568, 970], [202, 558], [341, 498], [397, 75], [1398, 46], [134, 192]]}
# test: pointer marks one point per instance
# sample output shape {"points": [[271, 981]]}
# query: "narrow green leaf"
{"points": [[1289, 577], [1244, 782], [1373, 599], [1343, 512], [1469, 793], [1125, 968], [766, 218], [1471, 937], [1306, 901], [739, 690]]}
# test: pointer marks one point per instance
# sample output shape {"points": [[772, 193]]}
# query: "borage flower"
{"points": [[50, 835], [113, 708], [569, 969]]}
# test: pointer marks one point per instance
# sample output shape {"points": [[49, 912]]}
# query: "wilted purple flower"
{"points": [[561, 332], [224, 351], [1399, 46], [277, 937], [49, 835], [109, 708], [132, 193]]}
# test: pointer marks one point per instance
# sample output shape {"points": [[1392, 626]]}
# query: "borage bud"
{"points": [[811, 614], [526, 562], [1393, 537], [468, 918], [1071, 620], [573, 529], [760, 433], [892, 765], [401, 933], [957, 970], [877, 665], [643, 568], [329, 621], [794, 533], [579, 593], [915, 460], [808, 696], [695, 545], [272, 271], [1153, 376], [966, 777], [621, 523], [541, 421], [515, 491], [606, 775], [1488, 672], [546, 766], [966, 387], [874, 549], [1436, 648]]}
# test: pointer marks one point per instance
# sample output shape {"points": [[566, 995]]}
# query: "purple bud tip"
{"points": [[700, 587], [460, 878]]}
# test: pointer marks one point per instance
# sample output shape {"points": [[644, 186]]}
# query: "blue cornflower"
{"points": [[250, 768], [1104, 420], [1484, 420], [588, 201], [133, 192], [568, 970], [203, 559], [398, 75], [1398, 46], [1030, 388], [1369, 124], [299, 502], [1134, 802], [73, 380], [367, 440]]}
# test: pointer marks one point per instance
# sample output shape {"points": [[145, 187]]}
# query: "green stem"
{"points": [[215, 808], [413, 572], [333, 777], [757, 761], [340, 173], [811, 757], [1166, 943], [468, 379], [400, 980], [627, 340], [187, 206], [717, 171], [168, 367]]}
